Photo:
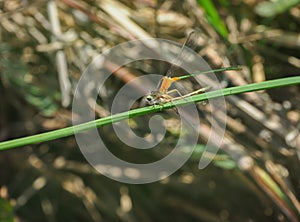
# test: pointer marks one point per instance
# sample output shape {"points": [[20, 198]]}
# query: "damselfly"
{"points": [[162, 94]]}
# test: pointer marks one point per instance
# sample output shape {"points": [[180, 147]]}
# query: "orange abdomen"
{"points": [[166, 83]]}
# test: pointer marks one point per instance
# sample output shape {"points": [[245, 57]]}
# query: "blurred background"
{"points": [[44, 49]]}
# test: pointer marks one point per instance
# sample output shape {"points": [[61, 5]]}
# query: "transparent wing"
{"points": [[190, 42]]}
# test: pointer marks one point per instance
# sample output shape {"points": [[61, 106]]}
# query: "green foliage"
{"points": [[213, 17], [6, 211], [16, 75], [273, 8]]}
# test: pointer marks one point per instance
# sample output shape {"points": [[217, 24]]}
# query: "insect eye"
{"points": [[149, 98]]}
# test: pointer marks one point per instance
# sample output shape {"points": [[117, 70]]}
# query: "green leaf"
{"points": [[223, 161], [273, 8], [14, 72], [213, 17], [6, 211]]}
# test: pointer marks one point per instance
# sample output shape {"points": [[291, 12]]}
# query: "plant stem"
{"points": [[68, 131]]}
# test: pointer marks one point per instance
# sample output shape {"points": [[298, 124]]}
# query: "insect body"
{"points": [[162, 94]]}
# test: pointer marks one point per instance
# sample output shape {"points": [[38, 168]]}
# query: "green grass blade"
{"points": [[56, 134], [211, 71], [213, 17]]}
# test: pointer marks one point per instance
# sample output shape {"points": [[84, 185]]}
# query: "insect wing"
{"points": [[190, 42]]}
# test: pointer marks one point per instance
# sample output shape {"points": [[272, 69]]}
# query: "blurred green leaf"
{"points": [[220, 160], [16, 75], [213, 17], [6, 212], [273, 8], [198, 151], [223, 161]]}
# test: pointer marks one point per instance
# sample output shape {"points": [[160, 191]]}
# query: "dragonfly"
{"points": [[162, 94]]}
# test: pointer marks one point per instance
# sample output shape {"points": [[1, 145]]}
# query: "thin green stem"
{"points": [[68, 131], [211, 71]]}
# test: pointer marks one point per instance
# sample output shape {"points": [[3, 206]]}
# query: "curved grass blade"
{"points": [[56, 134]]}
